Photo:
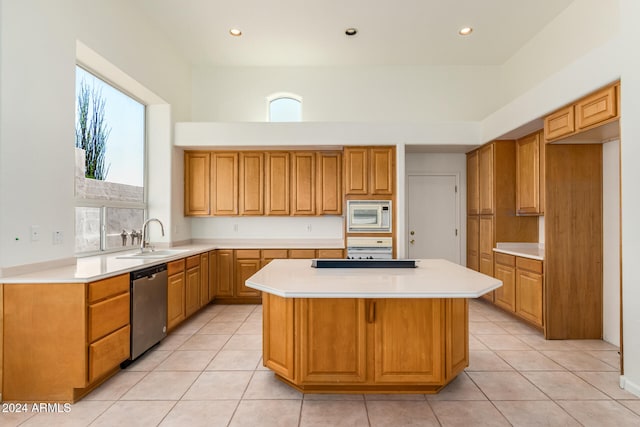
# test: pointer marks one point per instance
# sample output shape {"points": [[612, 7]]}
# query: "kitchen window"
{"points": [[110, 166]]}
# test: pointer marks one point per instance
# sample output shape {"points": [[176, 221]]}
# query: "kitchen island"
{"points": [[367, 330]]}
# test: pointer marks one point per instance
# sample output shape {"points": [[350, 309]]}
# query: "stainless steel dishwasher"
{"points": [[148, 308]]}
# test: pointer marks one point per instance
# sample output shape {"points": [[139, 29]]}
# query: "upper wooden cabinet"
{"points": [[196, 180], [591, 111], [369, 170], [329, 183], [277, 184], [251, 183], [224, 183], [473, 184], [303, 183], [530, 175], [486, 178]]}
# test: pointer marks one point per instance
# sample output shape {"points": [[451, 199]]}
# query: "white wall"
{"points": [[630, 176], [37, 109], [348, 94], [611, 241]]}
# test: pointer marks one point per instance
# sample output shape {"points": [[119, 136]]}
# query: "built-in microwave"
{"points": [[368, 216]]}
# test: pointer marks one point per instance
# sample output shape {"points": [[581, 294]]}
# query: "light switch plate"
{"points": [[35, 233]]}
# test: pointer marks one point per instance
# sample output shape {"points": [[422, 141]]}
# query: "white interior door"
{"points": [[434, 230]]}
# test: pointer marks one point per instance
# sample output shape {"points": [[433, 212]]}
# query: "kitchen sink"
{"points": [[154, 254]]}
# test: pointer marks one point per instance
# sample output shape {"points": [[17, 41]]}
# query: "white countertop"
{"points": [[88, 269], [433, 278], [525, 250]]}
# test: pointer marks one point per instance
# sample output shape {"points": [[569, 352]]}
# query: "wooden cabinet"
{"points": [[269, 255], [63, 338], [530, 175], [302, 253], [473, 184], [303, 183], [593, 110], [192, 285], [408, 340], [486, 175], [486, 244], [365, 345], [329, 183], [247, 263], [333, 344], [369, 170], [473, 242], [529, 290], [330, 253], [175, 293], [196, 183], [224, 183], [277, 183], [505, 270], [251, 183], [213, 274], [204, 279], [224, 268]]}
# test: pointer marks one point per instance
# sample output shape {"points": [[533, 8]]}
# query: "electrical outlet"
{"points": [[235, 228], [57, 237], [309, 228], [35, 233]]}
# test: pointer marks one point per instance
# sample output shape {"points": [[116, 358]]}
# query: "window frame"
{"points": [[102, 204]]}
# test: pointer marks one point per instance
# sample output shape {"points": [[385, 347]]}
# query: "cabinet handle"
{"points": [[371, 316]]}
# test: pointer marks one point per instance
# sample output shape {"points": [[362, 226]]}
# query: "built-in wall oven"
{"points": [[368, 216]]}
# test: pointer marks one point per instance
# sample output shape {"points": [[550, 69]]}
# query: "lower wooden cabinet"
{"points": [[522, 287], [224, 276], [204, 279], [192, 286], [246, 265], [175, 293], [63, 339]]}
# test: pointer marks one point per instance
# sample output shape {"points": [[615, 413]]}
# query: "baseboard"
{"points": [[629, 386]]}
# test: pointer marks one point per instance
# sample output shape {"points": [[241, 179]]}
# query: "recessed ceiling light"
{"points": [[465, 31], [351, 31], [235, 32]]}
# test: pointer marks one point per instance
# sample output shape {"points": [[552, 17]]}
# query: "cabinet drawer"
{"points": [[529, 264], [330, 253], [302, 253], [505, 259], [108, 287], [108, 353], [174, 267], [107, 316], [274, 254], [247, 253], [193, 261], [596, 108], [559, 124]]}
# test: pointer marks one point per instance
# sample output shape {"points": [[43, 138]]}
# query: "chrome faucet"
{"points": [[143, 237]]}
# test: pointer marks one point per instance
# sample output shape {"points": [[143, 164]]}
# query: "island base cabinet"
{"points": [[355, 345]]}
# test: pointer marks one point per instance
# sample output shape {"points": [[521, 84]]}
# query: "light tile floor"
{"points": [[209, 373]]}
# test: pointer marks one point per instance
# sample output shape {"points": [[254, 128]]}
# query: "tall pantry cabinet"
{"points": [[491, 203]]}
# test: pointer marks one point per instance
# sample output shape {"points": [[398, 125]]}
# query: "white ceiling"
{"points": [[311, 33]]}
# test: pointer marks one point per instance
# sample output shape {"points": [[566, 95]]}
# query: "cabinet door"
{"points": [[543, 170], [303, 183], [246, 268], [333, 339], [382, 161], [302, 253], [485, 173], [473, 242], [473, 182], [505, 270], [529, 296], [277, 183], [331, 253], [356, 168], [251, 183], [596, 108], [528, 175], [204, 279], [196, 183], [486, 250], [561, 123], [213, 274], [192, 290], [224, 183], [269, 255], [175, 300], [224, 267], [329, 183], [408, 340], [278, 334]]}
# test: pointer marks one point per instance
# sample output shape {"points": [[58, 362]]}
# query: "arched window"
{"points": [[284, 107]]}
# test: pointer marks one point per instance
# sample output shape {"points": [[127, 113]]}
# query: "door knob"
{"points": [[412, 232], [412, 241]]}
